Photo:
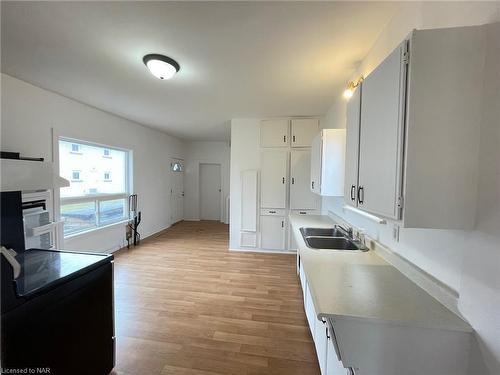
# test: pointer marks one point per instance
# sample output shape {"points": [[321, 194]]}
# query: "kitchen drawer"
{"points": [[306, 212], [273, 211]]}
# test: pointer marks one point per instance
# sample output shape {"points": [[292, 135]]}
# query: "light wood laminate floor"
{"points": [[186, 305]]}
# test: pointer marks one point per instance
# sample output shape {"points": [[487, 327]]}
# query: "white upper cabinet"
{"points": [[303, 131], [418, 134], [381, 151], [301, 196], [274, 178], [353, 117], [274, 133], [328, 162]]}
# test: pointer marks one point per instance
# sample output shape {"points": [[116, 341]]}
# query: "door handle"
{"points": [[361, 194], [353, 192]]}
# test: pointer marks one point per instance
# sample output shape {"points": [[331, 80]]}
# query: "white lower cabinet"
{"points": [[319, 333], [309, 307], [320, 342], [333, 364], [272, 232]]}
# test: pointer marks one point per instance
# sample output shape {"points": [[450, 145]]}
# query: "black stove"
{"points": [[57, 306]]}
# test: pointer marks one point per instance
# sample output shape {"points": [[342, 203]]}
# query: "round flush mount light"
{"points": [[162, 67]]}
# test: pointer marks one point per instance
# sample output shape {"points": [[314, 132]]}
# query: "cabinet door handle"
{"points": [[353, 192], [283, 180], [284, 139], [282, 224], [293, 139], [361, 194], [327, 335], [293, 180], [302, 213], [272, 212], [312, 185]]}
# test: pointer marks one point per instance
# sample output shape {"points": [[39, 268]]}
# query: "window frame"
{"points": [[99, 197]]}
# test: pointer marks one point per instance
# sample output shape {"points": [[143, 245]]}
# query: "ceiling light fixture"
{"points": [[351, 86], [162, 67]]}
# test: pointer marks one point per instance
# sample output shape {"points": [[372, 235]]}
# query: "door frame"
{"points": [[221, 192], [183, 162]]}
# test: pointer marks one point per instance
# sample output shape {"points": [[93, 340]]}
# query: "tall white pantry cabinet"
{"points": [[285, 163]]}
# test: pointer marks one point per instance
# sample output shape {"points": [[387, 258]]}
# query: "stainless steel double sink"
{"points": [[335, 238]]}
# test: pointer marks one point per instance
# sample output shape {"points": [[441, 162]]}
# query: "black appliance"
{"points": [[57, 312]]}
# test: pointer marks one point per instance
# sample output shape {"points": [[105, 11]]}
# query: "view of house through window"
{"points": [[99, 185]]}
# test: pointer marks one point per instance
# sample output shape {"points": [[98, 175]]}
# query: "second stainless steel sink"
{"points": [[323, 232]]}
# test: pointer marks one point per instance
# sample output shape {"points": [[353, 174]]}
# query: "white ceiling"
{"points": [[238, 59]]}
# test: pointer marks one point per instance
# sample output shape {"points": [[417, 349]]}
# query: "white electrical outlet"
{"points": [[395, 232]]}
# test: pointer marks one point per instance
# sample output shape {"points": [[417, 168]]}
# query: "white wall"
{"points": [[467, 261], [28, 115], [204, 152], [245, 154]]}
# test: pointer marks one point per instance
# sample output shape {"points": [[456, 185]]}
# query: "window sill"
{"points": [[93, 230]]}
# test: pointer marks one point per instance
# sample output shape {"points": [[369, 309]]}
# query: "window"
{"points": [[176, 166], [99, 187], [75, 176]]}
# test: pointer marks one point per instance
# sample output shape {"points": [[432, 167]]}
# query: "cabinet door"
{"points": [[301, 196], [273, 178], [274, 133], [316, 151], [272, 232], [309, 308], [303, 131], [353, 117], [320, 342], [333, 365], [381, 144]]}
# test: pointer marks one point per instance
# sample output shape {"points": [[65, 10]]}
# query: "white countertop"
{"points": [[362, 285]]}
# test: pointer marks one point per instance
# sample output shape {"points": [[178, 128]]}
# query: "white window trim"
{"points": [[58, 200]]}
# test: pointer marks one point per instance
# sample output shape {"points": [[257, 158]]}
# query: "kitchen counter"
{"points": [[362, 285]]}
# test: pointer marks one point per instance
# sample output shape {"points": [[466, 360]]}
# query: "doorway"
{"points": [[177, 190], [210, 191]]}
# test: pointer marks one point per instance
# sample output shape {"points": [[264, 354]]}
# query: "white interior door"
{"points": [[210, 191], [273, 178], [301, 196], [177, 190]]}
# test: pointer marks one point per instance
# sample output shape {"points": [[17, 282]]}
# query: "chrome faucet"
{"points": [[348, 231]]}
